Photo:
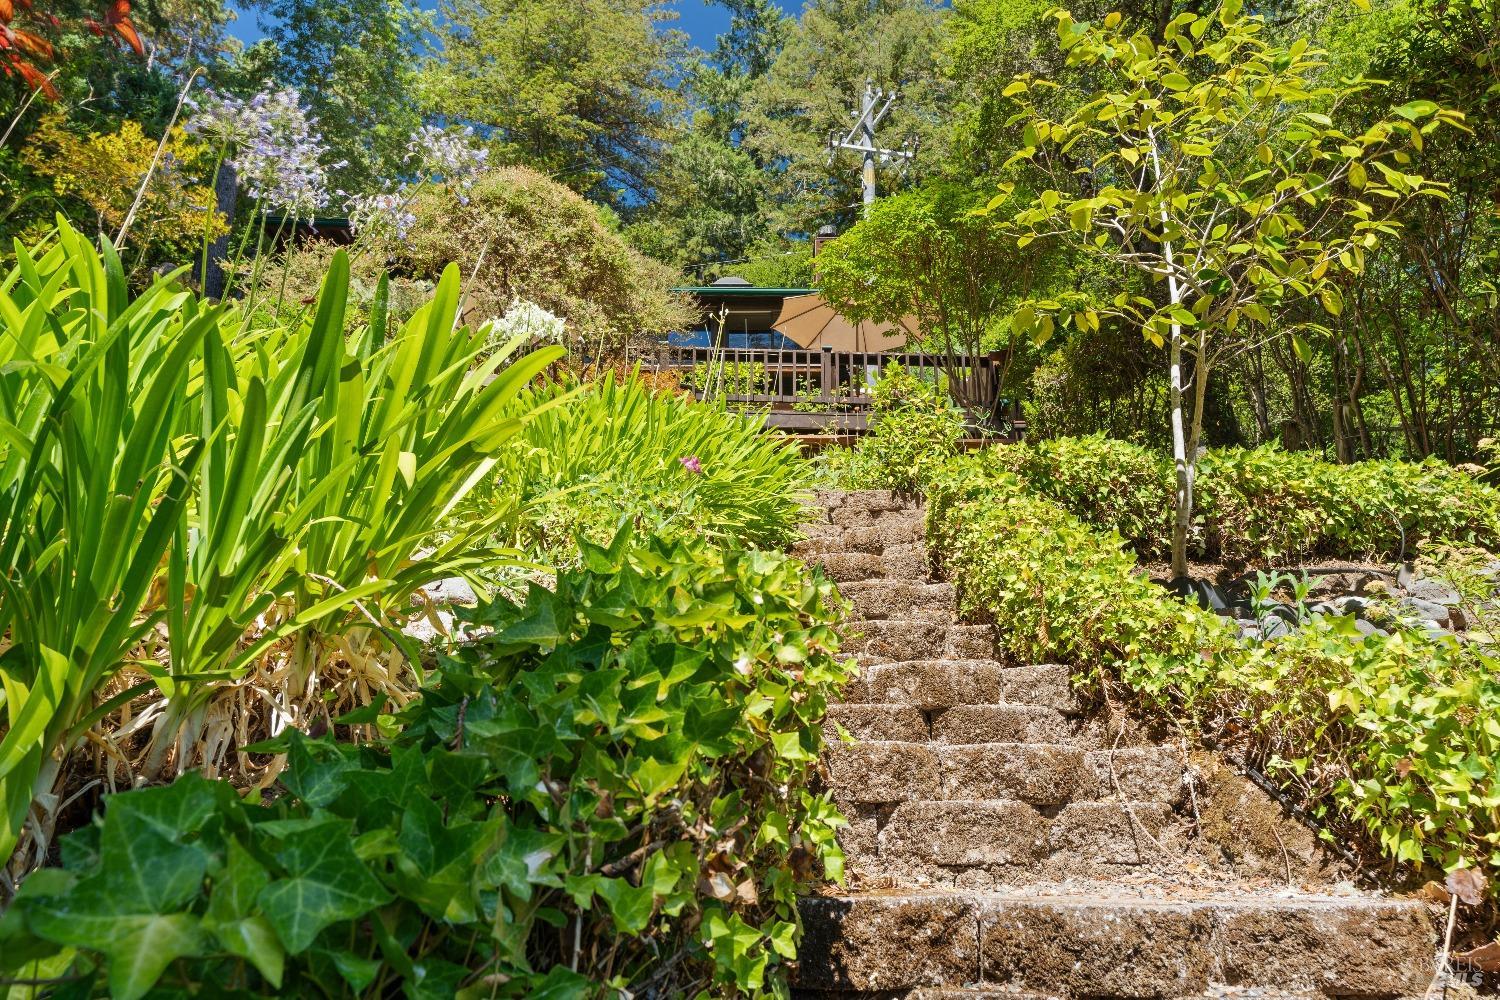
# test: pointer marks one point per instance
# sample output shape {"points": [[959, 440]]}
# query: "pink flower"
{"points": [[692, 464]]}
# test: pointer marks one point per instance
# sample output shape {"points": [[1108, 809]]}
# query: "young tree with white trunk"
{"points": [[1214, 165]]}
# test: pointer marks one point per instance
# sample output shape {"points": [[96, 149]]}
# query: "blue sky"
{"points": [[699, 18]]}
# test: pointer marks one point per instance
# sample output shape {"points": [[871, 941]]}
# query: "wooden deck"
{"points": [[826, 392]]}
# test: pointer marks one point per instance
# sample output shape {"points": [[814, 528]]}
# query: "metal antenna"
{"points": [[860, 138]]}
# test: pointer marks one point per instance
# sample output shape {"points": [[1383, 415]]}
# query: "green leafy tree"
{"points": [[355, 64], [927, 254], [586, 92], [815, 83], [711, 193], [1158, 148]]}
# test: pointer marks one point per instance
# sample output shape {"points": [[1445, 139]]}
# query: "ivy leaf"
{"points": [[232, 918], [138, 946], [631, 907], [317, 778], [437, 861], [326, 883]]}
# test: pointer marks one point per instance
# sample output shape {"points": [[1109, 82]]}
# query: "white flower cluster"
{"points": [[528, 320], [390, 214], [450, 157]]}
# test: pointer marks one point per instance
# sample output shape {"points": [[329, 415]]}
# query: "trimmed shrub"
{"points": [[516, 233], [914, 427], [608, 793], [1112, 484], [1263, 504], [1391, 738]]}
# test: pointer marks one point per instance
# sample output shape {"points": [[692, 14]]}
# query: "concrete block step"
{"points": [[1085, 945], [895, 639], [881, 600], [841, 506], [897, 562], [937, 684], [979, 845], [917, 637], [875, 535], [1002, 724], [1039, 773], [961, 724], [882, 723], [1049, 774]]}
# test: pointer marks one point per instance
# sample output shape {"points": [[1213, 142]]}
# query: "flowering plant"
{"points": [[278, 154], [434, 155], [529, 320]]}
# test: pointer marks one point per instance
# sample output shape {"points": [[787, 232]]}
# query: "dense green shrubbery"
{"points": [[608, 792], [1111, 484], [1261, 504], [617, 449], [914, 428], [1394, 737]]}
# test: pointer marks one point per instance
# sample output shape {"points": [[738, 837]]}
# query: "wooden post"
{"points": [[827, 376]]}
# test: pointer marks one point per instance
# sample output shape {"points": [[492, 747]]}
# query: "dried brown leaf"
{"points": [[1468, 884], [1485, 958]]}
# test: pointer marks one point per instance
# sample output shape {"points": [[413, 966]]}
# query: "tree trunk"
{"points": [[1183, 461]]}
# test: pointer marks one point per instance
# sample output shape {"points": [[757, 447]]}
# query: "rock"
{"points": [[1366, 628], [1285, 612], [1351, 604], [1249, 628], [449, 590], [1434, 593], [1426, 609], [1433, 630]]}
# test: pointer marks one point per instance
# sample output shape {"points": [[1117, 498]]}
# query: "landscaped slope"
{"points": [[1004, 838]]}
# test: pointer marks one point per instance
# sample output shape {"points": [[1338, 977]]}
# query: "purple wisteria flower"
{"points": [[277, 153], [692, 464]]}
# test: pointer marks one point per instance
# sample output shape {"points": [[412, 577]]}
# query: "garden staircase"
{"points": [[1002, 843]]}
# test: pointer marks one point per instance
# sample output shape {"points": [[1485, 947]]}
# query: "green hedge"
{"points": [[1260, 505], [610, 792], [1395, 739]]}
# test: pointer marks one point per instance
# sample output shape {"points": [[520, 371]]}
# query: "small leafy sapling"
{"points": [[1216, 167]]}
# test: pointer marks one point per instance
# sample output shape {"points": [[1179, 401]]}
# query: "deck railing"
{"points": [[825, 389]]}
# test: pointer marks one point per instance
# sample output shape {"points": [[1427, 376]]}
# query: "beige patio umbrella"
{"points": [[813, 323]]}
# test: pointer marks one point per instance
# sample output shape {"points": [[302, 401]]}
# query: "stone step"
{"points": [[1001, 724], [882, 600], [1047, 774], [898, 562], [1113, 945], [938, 684], [961, 724], [1005, 832], [916, 638], [839, 506]]}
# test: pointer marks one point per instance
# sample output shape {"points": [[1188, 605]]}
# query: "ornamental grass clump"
{"points": [[618, 450], [609, 794]]}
